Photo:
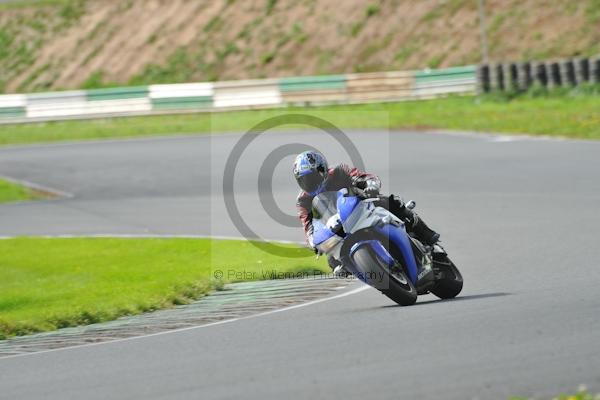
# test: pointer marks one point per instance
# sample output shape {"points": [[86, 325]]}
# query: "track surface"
{"points": [[520, 218]]}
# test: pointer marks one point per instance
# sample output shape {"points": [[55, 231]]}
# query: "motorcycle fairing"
{"points": [[346, 204], [400, 238], [357, 215], [376, 245], [321, 232]]}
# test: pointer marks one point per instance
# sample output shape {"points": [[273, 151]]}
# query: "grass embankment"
{"points": [[47, 284], [568, 116], [70, 44], [10, 192]]}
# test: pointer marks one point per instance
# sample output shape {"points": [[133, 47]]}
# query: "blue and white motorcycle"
{"points": [[371, 243]]}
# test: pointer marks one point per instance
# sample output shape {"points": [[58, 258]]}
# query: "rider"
{"points": [[314, 177]]}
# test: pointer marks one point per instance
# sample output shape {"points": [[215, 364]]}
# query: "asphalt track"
{"points": [[519, 217]]}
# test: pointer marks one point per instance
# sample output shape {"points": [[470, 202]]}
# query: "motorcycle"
{"points": [[371, 243]]}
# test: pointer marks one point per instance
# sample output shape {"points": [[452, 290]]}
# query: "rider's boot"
{"points": [[423, 232], [418, 226], [425, 273], [337, 268]]}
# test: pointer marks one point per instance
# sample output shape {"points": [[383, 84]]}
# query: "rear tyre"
{"points": [[391, 282], [450, 281]]}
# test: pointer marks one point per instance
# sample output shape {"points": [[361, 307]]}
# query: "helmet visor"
{"points": [[310, 182]]}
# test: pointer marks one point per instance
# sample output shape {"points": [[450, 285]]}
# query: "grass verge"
{"points": [[576, 116], [46, 284], [580, 395], [10, 192]]}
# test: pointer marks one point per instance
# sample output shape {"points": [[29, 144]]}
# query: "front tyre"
{"points": [[391, 282], [449, 280]]}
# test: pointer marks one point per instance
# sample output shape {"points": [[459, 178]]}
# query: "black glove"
{"points": [[372, 189]]}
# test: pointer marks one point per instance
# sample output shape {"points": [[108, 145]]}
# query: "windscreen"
{"points": [[324, 205]]}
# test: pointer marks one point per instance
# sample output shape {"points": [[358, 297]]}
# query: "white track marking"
{"points": [[66, 143], [227, 321], [35, 186], [496, 137], [148, 236], [505, 139], [212, 135]]}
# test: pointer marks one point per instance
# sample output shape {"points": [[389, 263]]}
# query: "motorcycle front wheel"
{"points": [[391, 282], [450, 282]]}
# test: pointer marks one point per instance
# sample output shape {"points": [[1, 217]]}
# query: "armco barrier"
{"points": [[379, 86], [431, 83], [313, 89], [13, 106], [182, 96], [247, 94]]}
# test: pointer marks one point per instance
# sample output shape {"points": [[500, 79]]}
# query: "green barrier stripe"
{"points": [[182, 102], [312, 83], [133, 92], [12, 112], [445, 74]]}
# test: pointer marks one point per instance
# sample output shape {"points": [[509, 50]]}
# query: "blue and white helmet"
{"points": [[310, 171]]}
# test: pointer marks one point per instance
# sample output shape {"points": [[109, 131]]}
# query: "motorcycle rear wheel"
{"points": [[394, 284]]}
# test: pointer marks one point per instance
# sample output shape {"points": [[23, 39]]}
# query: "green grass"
{"points": [[574, 116], [372, 10], [29, 3], [580, 395], [47, 284], [10, 192]]}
